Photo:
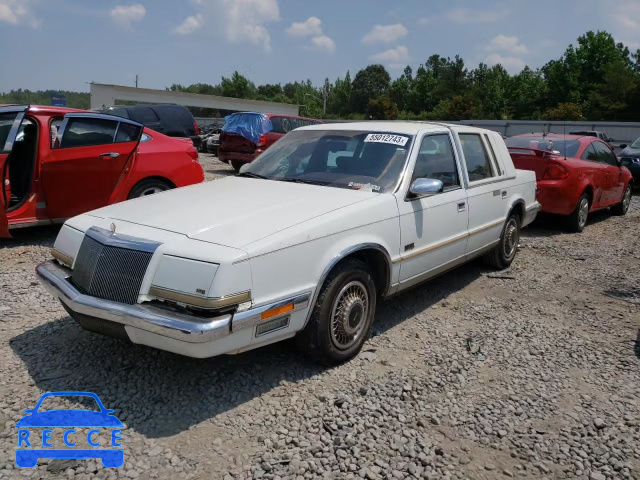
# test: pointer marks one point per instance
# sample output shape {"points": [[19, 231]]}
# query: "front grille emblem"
{"points": [[113, 229]]}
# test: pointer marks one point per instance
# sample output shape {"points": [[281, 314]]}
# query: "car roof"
{"points": [[48, 109], [406, 127]]}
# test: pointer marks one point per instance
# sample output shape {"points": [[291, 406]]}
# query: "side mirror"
{"points": [[426, 186], [624, 145]]}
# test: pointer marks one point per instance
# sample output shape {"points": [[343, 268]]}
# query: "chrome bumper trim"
{"points": [[175, 325]]}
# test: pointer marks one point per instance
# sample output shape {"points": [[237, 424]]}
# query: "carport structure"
{"points": [[108, 95]]}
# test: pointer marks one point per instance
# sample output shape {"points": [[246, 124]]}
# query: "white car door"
{"points": [[433, 228], [487, 191]]}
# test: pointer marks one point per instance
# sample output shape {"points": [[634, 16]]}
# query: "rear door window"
{"points": [[604, 154], [479, 166], [85, 132], [144, 115], [590, 154]]}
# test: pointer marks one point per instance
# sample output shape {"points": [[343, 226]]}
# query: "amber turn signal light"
{"points": [[276, 311]]}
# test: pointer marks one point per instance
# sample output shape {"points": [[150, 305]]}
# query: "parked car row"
{"points": [[325, 219]]}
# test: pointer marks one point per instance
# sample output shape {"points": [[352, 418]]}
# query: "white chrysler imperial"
{"points": [[303, 242]]}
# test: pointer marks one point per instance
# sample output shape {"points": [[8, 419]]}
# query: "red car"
{"points": [[56, 163], [576, 175], [246, 135]]}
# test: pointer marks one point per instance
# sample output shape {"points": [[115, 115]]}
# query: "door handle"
{"points": [[504, 194], [462, 206], [109, 155]]}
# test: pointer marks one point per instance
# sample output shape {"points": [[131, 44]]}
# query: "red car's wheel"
{"points": [[623, 207], [148, 187], [578, 219]]}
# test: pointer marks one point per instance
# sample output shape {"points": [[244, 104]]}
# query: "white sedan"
{"points": [[303, 242]]}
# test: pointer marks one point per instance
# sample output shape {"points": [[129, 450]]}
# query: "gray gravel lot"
{"points": [[533, 373]]}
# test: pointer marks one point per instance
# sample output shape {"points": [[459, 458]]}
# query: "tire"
{"points": [[236, 165], [578, 219], [325, 338], [504, 253], [148, 187], [623, 207]]}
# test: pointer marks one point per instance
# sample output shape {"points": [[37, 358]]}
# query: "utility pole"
{"points": [[136, 80]]}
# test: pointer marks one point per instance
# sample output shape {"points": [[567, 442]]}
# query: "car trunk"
{"points": [[232, 142], [528, 159]]}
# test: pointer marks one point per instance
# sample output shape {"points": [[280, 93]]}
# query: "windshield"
{"points": [[568, 148], [343, 159], [636, 144]]}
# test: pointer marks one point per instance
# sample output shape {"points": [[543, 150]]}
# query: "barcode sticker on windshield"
{"points": [[386, 138]]}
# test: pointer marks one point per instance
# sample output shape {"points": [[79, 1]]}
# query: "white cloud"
{"points": [[18, 12], [190, 25], [503, 43], [385, 33], [424, 21], [468, 15], [394, 57], [126, 15], [511, 64], [322, 42], [625, 18], [311, 26], [244, 21]]}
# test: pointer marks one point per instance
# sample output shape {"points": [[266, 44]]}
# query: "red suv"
{"points": [[246, 135]]}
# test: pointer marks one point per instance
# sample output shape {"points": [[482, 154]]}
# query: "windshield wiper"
{"points": [[252, 175], [302, 180]]}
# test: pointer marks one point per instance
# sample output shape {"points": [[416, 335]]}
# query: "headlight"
{"points": [[67, 245], [188, 282]]}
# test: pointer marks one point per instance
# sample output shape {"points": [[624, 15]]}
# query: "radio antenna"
{"points": [[564, 135]]}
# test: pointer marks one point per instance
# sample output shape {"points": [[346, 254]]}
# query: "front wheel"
{"points": [[578, 219], [342, 315], [623, 207], [148, 187], [503, 254]]}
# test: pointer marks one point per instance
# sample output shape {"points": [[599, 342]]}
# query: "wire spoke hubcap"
{"points": [[349, 315], [583, 212], [510, 238]]}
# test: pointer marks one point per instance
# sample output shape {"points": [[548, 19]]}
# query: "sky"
{"points": [[64, 44]]}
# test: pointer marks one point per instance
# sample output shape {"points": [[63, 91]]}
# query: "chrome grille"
{"points": [[106, 268]]}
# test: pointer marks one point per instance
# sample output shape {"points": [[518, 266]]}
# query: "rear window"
{"points": [[568, 148], [286, 124]]}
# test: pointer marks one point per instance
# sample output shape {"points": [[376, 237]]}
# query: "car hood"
{"points": [[630, 152], [233, 211]]}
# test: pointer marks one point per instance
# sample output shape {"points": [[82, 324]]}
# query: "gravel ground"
{"points": [[531, 373]]}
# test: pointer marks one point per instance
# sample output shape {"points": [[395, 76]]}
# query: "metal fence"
{"points": [[621, 132]]}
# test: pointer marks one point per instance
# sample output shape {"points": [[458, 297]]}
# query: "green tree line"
{"points": [[595, 79]]}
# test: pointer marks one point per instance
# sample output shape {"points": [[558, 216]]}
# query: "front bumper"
{"points": [[531, 213], [161, 328]]}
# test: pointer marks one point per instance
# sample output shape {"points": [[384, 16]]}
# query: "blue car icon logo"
{"points": [[32, 448]]}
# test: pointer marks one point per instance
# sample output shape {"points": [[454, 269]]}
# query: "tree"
{"points": [[369, 83], [238, 86], [564, 111], [382, 108]]}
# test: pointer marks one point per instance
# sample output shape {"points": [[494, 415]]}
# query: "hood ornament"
{"points": [[113, 229]]}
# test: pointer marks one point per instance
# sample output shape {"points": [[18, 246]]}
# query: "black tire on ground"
{"points": [[503, 254], [148, 187], [578, 219], [342, 315], [236, 165], [623, 207]]}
